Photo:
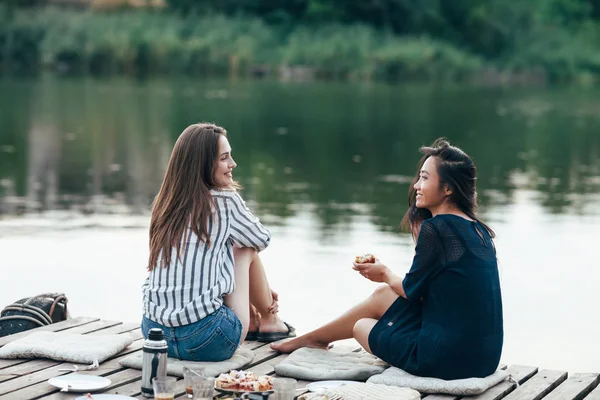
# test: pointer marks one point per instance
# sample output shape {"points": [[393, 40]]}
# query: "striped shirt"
{"points": [[193, 286]]}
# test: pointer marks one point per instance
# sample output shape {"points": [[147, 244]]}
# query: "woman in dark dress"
{"points": [[444, 318]]}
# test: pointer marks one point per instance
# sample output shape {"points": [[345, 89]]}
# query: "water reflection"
{"points": [[101, 146]]}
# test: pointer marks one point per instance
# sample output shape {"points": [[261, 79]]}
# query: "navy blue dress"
{"points": [[450, 327]]}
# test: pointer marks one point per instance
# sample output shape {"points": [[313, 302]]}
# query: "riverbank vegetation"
{"points": [[494, 40]]}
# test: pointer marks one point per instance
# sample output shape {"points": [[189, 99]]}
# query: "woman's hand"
{"points": [[376, 272]]}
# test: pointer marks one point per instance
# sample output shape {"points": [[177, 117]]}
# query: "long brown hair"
{"points": [[455, 169], [184, 198]]}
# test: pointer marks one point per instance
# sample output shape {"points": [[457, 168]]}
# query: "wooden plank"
{"points": [[131, 389], [127, 327], [117, 379], [253, 345], [134, 388], [262, 354], [25, 369], [59, 326], [519, 373], [93, 327], [594, 395], [267, 367], [24, 366], [107, 368], [576, 387], [31, 379], [496, 392], [50, 369], [10, 363], [538, 386], [441, 397]]}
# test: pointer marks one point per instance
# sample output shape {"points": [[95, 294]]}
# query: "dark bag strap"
{"points": [[40, 316]]}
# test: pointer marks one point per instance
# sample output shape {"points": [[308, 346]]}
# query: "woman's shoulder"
{"points": [[225, 193], [443, 225], [442, 220], [439, 220], [228, 196]]}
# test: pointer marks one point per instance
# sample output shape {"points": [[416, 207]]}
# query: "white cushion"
{"points": [[470, 386], [71, 347], [336, 364], [371, 391], [213, 368]]}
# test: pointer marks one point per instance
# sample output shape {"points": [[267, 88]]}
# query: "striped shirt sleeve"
{"points": [[246, 229]]}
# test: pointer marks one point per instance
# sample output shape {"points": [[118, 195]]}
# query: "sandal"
{"points": [[268, 337]]}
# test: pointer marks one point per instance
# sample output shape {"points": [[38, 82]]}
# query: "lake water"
{"points": [[327, 168]]}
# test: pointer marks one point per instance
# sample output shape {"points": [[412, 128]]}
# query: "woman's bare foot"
{"points": [[272, 323], [296, 343]]}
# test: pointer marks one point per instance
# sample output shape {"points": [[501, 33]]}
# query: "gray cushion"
{"points": [[339, 363], [175, 366], [63, 346], [371, 391], [470, 386]]}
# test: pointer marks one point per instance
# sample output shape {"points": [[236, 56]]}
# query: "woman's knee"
{"points": [[357, 328], [361, 331], [381, 299], [383, 291]]}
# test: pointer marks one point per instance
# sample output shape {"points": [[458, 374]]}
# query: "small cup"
{"points": [[164, 388], [204, 388], [190, 375], [284, 388]]}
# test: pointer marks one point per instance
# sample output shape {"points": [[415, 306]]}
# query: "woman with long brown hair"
{"points": [[205, 275], [444, 318]]}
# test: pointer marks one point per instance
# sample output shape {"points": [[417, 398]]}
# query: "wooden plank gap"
{"points": [[594, 395], [538, 386], [57, 327], [576, 387]]}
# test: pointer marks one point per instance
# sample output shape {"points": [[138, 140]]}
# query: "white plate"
{"points": [[79, 382], [324, 385], [106, 397], [230, 391]]}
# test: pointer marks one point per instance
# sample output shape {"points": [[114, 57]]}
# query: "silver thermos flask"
{"points": [[154, 360]]}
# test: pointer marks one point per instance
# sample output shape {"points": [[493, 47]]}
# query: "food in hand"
{"points": [[244, 381], [366, 259]]}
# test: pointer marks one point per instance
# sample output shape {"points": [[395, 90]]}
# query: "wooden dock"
{"points": [[27, 379]]}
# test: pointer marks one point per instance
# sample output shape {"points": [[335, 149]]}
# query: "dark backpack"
{"points": [[33, 312]]}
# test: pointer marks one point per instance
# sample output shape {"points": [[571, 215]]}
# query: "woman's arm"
{"points": [[427, 263], [395, 283], [378, 272], [246, 229]]}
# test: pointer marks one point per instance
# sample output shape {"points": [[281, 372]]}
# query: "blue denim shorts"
{"points": [[214, 338]]}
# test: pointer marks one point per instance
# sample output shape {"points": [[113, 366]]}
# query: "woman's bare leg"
{"points": [[254, 319], [252, 287], [361, 332], [343, 327], [261, 298]]}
